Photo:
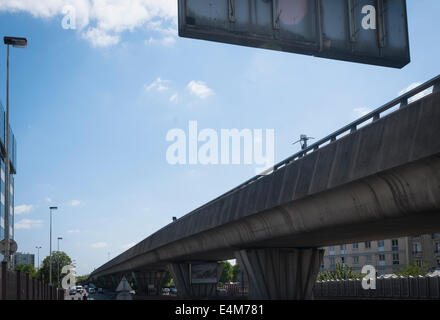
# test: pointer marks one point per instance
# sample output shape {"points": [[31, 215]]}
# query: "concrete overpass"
{"points": [[376, 178]]}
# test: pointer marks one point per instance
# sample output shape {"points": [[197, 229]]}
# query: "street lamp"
{"points": [[58, 262], [16, 43], [50, 246]]}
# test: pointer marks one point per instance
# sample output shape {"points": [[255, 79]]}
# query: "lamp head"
{"points": [[15, 42]]}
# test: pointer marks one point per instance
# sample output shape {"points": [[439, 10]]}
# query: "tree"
{"points": [[168, 281], [341, 272], [60, 259], [227, 273], [27, 268], [235, 272], [412, 270]]}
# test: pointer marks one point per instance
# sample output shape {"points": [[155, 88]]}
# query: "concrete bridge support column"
{"points": [[181, 273], [279, 273], [144, 279]]}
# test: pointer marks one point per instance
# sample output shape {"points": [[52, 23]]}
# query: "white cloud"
{"points": [[28, 224], [417, 96], [174, 97], [73, 231], [165, 41], [129, 245], [158, 85], [100, 38], [102, 21], [200, 89], [360, 112], [23, 209], [75, 203], [99, 245]]}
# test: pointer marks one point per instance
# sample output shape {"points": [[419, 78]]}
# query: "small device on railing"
{"points": [[304, 141]]}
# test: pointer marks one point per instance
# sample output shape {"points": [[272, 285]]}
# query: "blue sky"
{"points": [[90, 115]]}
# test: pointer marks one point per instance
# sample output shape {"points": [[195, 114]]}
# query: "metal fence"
{"points": [[16, 285], [398, 288]]}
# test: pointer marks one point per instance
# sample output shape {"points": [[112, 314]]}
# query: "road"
{"points": [[96, 296]]}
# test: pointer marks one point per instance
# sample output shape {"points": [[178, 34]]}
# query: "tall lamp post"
{"points": [[50, 246], [16, 43], [58, 262]]}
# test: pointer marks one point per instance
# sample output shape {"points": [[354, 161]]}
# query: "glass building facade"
{"points": [[13, 166]]}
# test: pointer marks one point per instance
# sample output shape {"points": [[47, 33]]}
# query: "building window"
{"points": [[381, 245], [356, 246], [367, 244], [343, 248], [368, 259], [332, 262], [419, 263], [395, 245], [381, 259], [396, 259], [437, 247], [332, 250], [417, 247], [355, 260]]}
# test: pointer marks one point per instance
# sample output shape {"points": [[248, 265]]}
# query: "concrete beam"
{"points": [[280, 274]]}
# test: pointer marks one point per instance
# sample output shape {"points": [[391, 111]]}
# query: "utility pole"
{"points": [[17, 43], [50, 244]]}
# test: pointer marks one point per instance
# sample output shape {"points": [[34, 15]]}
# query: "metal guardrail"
{"points": [[352, 127]]}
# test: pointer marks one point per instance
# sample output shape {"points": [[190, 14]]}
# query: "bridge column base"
{"points": [[279, 273], [181, 274]]}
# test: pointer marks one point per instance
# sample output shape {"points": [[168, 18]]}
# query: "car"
{"points": [[100, 290], [79, 289], [166, 291], [72, 292], [222, 292], [91, 290], [173, 291]]}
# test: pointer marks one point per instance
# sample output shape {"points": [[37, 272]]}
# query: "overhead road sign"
{"points": [[365, 31]]}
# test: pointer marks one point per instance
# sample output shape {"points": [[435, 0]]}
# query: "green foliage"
{"points": [[227, 274], [29, 269], [168, 282], [412, 270], [235, 272], [341, 272], [80, 278], [59, 259]]}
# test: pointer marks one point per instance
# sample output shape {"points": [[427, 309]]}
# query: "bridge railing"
{"points": [[427, 287], [350, 128]]}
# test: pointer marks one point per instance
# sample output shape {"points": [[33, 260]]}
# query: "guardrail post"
{"points": [[33, 289], [27, 286], [4, 278], [403, 103], [18, 284]]}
